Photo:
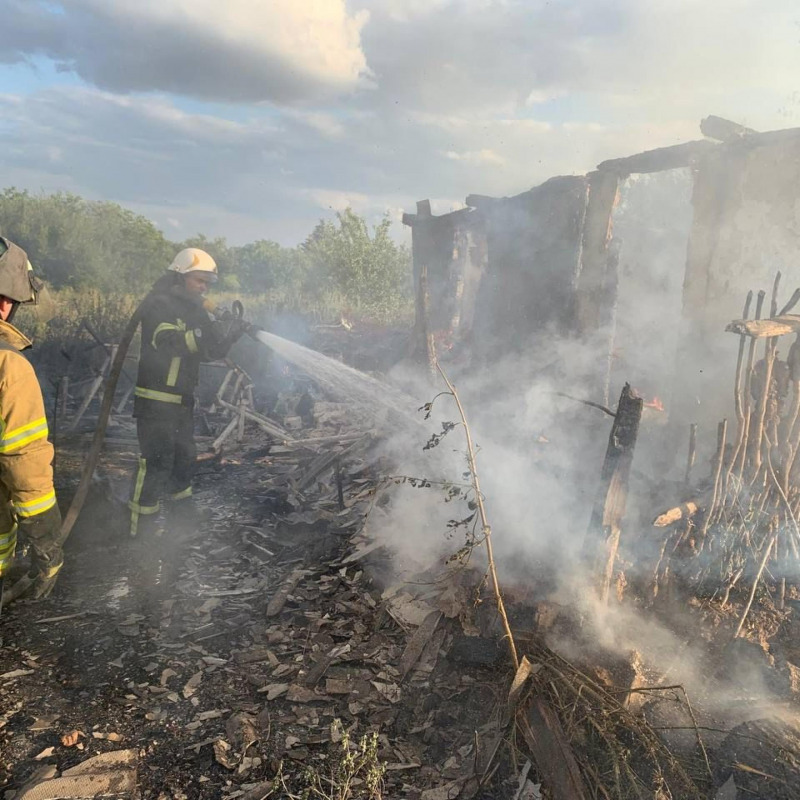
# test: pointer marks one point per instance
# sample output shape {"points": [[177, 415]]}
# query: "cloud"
{"points": [[478, 158], [236, 51], [367, 103]]}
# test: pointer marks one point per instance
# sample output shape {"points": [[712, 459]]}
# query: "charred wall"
{"points": [[512, 273]]}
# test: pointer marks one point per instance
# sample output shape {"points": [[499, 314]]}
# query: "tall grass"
{"points": [[108, 312]]}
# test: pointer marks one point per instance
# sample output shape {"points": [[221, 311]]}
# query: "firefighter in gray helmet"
{"points": [[27, 497]]}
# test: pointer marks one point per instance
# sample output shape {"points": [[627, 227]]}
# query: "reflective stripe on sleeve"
{"points": [[25, 434], [167, 326], [191, 342], [30, 508], [153, 394]]}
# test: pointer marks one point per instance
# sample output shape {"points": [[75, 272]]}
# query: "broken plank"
{"points": [[278, 601], [781, 325], [416, 644], [551, 751]]}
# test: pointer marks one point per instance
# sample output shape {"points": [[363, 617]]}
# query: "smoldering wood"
{"points": [[677, 513], [602, 538], [782, 325]]}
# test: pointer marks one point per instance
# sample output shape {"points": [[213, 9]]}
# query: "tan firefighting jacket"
{"points": [[26, 455]]}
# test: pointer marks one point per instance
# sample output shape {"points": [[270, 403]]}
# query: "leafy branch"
{"points": [[480, 507]]}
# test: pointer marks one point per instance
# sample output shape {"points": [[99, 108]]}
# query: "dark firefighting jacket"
{"points": [[177, 335], [27, 496]]}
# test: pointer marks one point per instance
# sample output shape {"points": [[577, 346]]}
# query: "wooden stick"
{"points": [[773, 307], [761, 411], [737, 399], [691, 455], [722, 431], [748, 378], [767, 551], [486, 528]]}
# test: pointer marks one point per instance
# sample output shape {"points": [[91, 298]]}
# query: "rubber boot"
{"points": [[45, 581], [145, 526], [36, 584]]}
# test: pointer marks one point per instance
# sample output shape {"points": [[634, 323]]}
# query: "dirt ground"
{"points": [[253, 645]]}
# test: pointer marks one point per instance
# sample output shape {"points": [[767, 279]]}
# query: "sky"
{"points": [[253, 119]]}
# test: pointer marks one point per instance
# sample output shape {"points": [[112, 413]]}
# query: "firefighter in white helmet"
{"points": [[177, 335], [27, 496]]}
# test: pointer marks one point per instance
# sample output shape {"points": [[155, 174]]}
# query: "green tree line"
{"points": [[79, 244]]}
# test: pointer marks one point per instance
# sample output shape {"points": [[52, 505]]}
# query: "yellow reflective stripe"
{"points": [[18, 437], [167, 326], [172, 375], [8, 543], [191, 342], [51, 572], [153, 394], [143, 509], [137, 489], [181, 495], [30, 508], [11, 536]]}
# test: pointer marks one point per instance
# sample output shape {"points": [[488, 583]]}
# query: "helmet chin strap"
{"points": [[12, 313]]}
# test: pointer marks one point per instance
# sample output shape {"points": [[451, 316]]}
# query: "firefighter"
{"points": [[177, 335], [27, 497]]}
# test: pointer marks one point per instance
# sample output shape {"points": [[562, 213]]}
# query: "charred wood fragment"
{"points": [[602, 538]]}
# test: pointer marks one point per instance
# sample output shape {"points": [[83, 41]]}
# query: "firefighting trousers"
{"points": [[41, 530], [167, 462]]}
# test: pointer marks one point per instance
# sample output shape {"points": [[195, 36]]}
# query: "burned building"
{"points": [[645, 259]]}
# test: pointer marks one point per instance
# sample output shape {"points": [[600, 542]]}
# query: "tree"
{"points": [[266, 266], [372, 272], [74, 242]]}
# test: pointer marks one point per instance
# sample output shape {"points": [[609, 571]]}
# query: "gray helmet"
{"points": [[17, 281]]}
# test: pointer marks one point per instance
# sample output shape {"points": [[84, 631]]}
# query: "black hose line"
{"points": [[82, 491]]}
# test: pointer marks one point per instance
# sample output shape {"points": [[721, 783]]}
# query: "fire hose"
{"points": [[236, 314]]}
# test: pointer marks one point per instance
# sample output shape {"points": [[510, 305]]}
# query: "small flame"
{"points": [[655, 404]]}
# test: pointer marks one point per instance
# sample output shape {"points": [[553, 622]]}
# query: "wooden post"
{"points": [[426, 341], [602, 538]]}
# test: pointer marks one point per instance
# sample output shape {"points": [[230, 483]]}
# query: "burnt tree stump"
{"points": [[602, 537]]}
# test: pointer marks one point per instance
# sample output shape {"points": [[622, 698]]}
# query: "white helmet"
{"points": [[192, 259]]}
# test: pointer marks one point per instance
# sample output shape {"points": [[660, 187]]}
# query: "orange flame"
{"points": [[655, 403]]}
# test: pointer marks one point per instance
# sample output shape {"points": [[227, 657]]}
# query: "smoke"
{"points": [[540, 453]]}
